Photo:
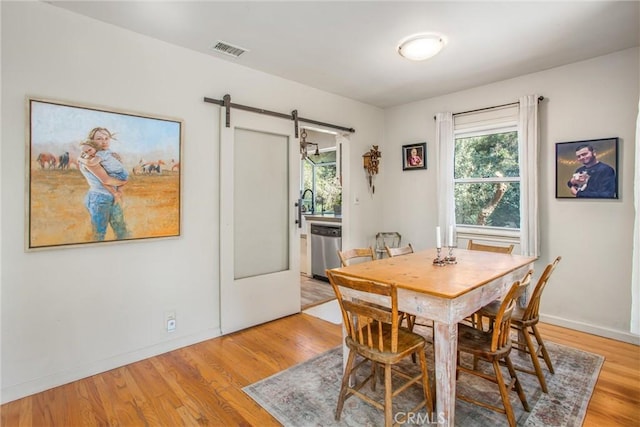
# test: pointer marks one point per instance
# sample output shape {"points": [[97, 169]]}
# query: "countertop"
{"points": [[323, 218]]}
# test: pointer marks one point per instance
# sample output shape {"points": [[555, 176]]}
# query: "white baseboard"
{"points": [[592, 329], [37, 385]]}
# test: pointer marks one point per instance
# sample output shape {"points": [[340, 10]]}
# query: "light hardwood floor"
{"points": [[202, 384], [314, 292], [616, 397]]}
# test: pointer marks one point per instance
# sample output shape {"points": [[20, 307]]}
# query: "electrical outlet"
{"points": [[170, 321]]}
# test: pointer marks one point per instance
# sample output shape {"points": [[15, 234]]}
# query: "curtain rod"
{"points": [[226, 102], [540, 98]]}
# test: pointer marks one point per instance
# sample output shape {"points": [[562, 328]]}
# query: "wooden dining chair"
{"points": [[387, 238], [525, 321], [473, 246], [357, 254], [495, 306], [404, 250], [367, 254], [493, 346], [375, 335]]}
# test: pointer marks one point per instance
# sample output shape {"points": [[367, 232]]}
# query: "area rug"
{"points": [[306, 394]]}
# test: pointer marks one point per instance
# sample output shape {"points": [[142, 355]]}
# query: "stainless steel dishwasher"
{"points": [[326, 240]]}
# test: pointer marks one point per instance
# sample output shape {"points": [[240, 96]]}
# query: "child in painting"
{"points": [[93, 156]]}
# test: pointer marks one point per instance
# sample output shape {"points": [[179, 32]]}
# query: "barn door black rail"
{"points": [[228, 105]]}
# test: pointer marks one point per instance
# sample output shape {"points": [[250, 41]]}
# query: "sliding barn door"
{"points": [[259, 244]]}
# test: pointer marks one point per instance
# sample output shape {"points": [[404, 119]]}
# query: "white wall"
{"points": [[70, 313], [598, 98]]}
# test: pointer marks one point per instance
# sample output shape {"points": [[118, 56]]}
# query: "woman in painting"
{"points": [[105, 174], [414, 158], [109, 159]]}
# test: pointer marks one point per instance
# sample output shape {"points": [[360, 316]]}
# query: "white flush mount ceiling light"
{"points": [[421, 46]]}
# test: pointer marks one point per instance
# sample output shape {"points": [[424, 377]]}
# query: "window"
{"points": [[321, 191], [487, 171]]}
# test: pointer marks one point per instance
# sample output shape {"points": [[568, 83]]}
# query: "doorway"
{"points": [[321, 188]]}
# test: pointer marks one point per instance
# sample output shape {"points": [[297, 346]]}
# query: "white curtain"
{"points": [[444, 168], [528, 152], [635, 275]]}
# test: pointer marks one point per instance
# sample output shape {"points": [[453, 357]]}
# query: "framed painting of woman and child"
{"points": [[99, 175]]}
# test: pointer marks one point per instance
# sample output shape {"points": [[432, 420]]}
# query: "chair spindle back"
{"points": [[366, 323]]}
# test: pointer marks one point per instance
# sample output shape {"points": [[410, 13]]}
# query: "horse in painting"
{"points": [[48, 160]]}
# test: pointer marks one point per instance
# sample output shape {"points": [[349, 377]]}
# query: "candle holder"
{"points": [[450, 259], [438, 261]]}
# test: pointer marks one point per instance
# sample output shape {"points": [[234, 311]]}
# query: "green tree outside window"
{"points": [[487, 180]]}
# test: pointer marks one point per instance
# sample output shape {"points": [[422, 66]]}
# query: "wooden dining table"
{"points": [[445, 294]]}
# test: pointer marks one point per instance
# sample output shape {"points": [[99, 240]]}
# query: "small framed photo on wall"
{"points": [[414, 156], [587, 169]]}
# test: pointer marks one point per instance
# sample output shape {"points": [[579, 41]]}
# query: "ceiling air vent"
{"points": [[228, 49]]}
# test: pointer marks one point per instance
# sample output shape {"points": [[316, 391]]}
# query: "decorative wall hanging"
{"points": [[587, 169], [97, 175], [371, 162], [414, 156]]}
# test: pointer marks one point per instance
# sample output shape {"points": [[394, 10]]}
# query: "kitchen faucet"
{"points": [[304, 193]]}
